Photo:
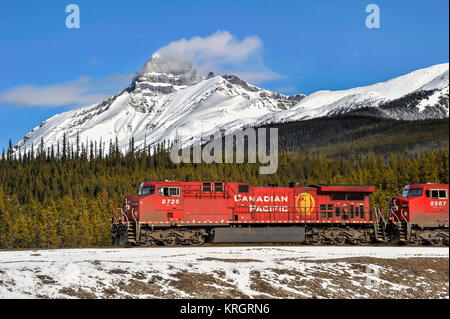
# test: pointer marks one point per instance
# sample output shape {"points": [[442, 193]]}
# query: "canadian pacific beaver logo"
{"points": [[304, 203]]}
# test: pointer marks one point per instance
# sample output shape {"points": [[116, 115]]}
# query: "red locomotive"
{"points": [[420, 215], [192, 212], [170, 212]]}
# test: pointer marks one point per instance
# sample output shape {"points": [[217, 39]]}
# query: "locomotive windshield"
{"points": [[150, 190], [415, 192], [405, 191]]}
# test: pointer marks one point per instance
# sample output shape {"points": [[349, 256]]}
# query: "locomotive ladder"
{"points": [[403, 229], [379, 226], [131, 232], [133, 229]]}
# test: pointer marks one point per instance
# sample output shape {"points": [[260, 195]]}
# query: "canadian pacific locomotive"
{"points": [[420, 215], [186, 213]]}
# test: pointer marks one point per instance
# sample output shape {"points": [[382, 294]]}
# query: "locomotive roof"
{"points": [[428, 185], [320, 187], [344, 188]]}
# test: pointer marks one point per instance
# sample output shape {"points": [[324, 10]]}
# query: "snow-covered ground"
{"points": [[226, 272]]}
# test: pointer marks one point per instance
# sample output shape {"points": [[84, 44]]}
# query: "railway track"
{"points": [[206, 245]]}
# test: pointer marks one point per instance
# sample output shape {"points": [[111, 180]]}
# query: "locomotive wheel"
{"points": [[170, 242], [436, 242], [340, 240]]}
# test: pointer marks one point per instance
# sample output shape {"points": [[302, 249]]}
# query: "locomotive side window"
{"points": [[206, 187], [345, 214], [436, 193], [352, 212], [356, 211], [169, 191], [323, 211], [361, 211], [218, 187], [243, 188], [337, 211], [355, 196], [338, 196], [330, 210]]}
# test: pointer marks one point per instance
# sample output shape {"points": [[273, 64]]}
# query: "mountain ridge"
{"points": [[159, 106]]}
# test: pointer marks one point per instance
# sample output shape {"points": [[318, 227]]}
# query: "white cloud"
{"points": [[218, 46], [83, 91], [221, 53]]}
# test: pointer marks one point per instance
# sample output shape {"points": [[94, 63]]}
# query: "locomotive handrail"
{"points": [[399, 220], [136, 224], [126, 217], [132, 214], [395, 215], [379, 215]]}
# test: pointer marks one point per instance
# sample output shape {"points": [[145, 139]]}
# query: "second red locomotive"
{"points": [[420, 215]]}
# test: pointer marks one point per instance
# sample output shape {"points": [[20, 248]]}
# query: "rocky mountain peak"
{"points": [[164, 75]]}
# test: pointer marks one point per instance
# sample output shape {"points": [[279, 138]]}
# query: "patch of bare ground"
{"points": [[118, 271], [77, 293], [46, 280], [231, 260], [111, 292], [399, 278], [139, 275], [205, 286], [7, 282], [137, 288], [267, 289]]}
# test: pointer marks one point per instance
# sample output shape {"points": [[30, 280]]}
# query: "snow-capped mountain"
{"points": [[422, 94], [168, 100]]}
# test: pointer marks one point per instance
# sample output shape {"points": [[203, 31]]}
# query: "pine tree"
{"points": [[10, 151]]}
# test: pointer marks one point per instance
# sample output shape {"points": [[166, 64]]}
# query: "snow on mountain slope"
{"points": [[160, 106], [168, 100], [328, 103]]}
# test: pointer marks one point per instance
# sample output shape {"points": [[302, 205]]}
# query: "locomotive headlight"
{"points": [[135, 213], [405, 205]]}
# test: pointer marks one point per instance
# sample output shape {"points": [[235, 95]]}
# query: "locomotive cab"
{"points": [[424, 205], [132, 204]]}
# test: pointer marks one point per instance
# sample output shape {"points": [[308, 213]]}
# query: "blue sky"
{"points": [[306, 46]]}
